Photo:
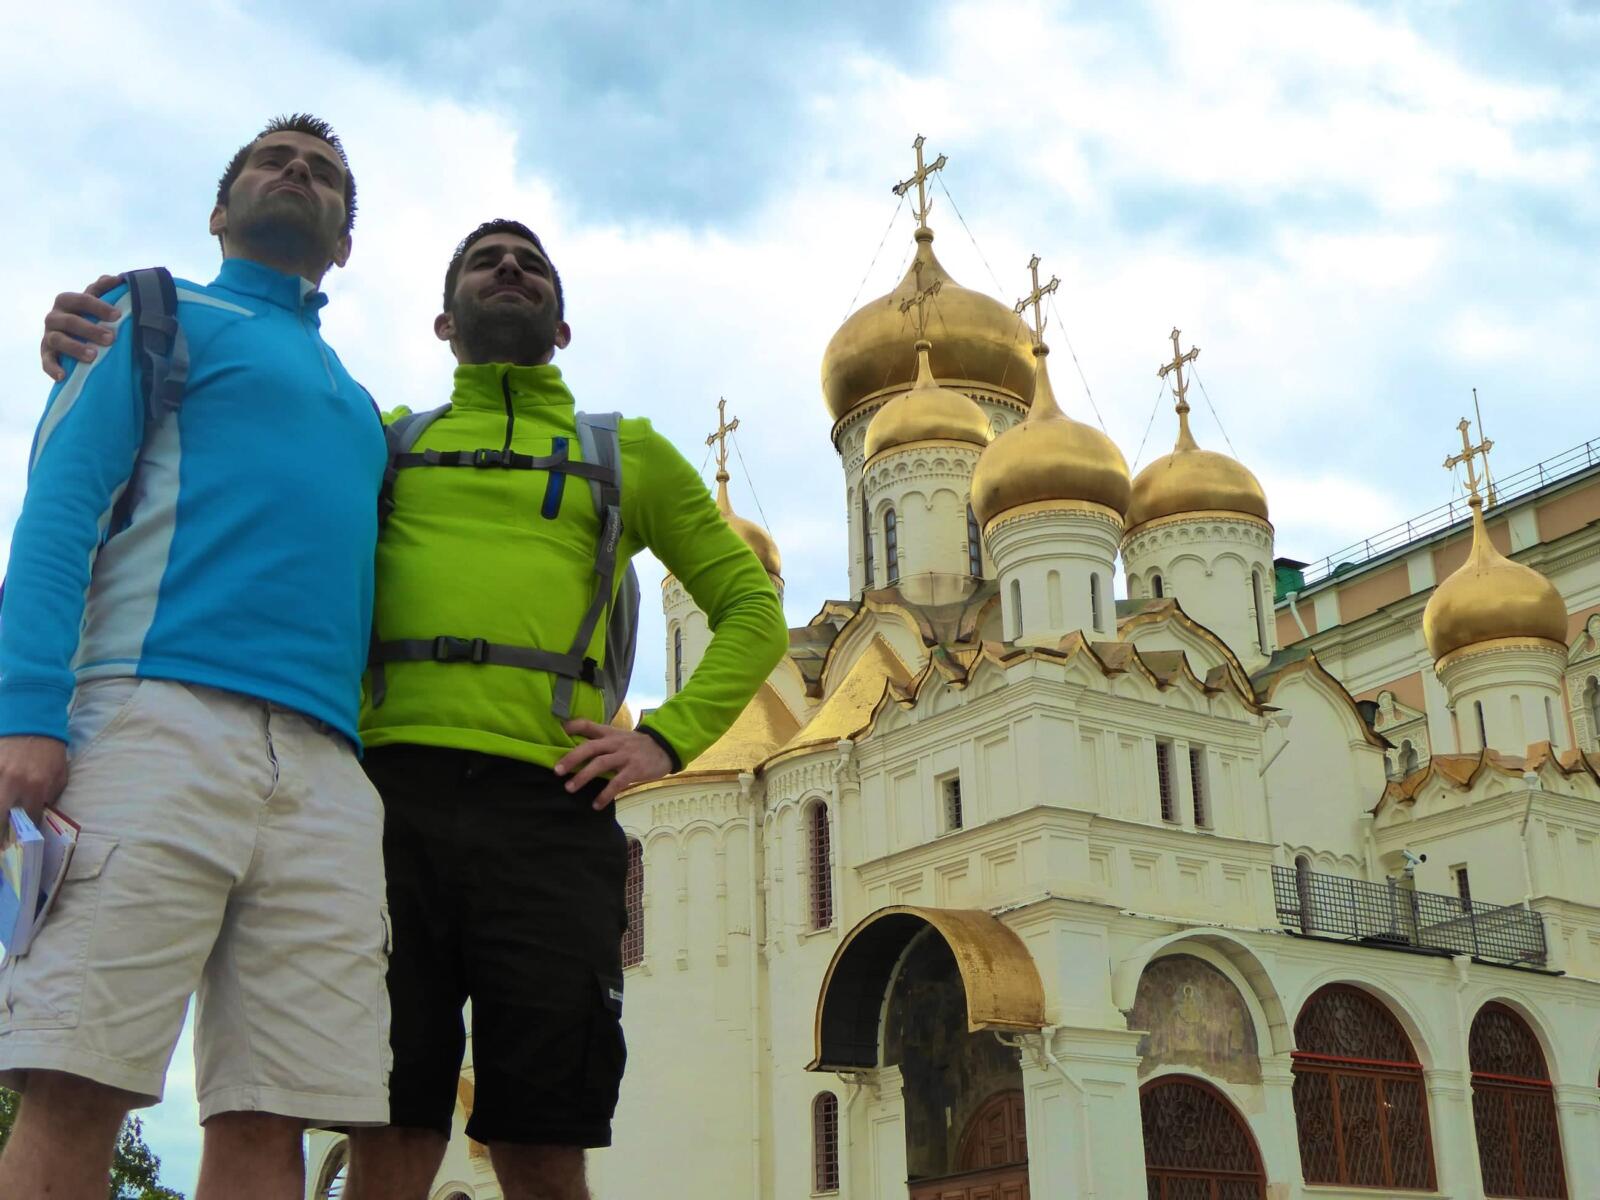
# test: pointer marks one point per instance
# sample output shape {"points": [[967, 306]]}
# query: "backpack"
{"points": [[602, 467]]}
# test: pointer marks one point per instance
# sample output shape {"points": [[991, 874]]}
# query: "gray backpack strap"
{"points": [[600, 443], [161, 363], [400, 435]]}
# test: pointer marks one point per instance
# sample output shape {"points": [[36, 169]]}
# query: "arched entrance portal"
{"points": [[1196, 1146], [924, 990]]}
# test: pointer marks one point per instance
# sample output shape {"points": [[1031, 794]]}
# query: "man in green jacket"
{"points": [[505, 861]]}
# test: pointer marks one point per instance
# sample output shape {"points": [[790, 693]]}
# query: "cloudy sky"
{"points": [[1360, 211]]}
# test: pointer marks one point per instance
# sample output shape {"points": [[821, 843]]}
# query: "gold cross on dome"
{"points": [[1178, 359], [719, 439], [1468, 453], [919, 300], [919, 178], [1034, 297]]}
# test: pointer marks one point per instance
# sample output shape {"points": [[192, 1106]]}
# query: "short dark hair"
{"points": [[294, 123], [516, 229]]}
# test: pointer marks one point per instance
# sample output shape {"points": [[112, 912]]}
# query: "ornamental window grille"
{"points": [[633, 898], [1196, 1146], [1359, 1100], [1463, 886], [825, 1143], [891, 544], [819, 865], [1165, 788], [1513, 1107], [974, 545], [677, 659], [1197, 785], [866, 541]]}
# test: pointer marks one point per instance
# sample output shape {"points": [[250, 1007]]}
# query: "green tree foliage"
{"points": [[135, 1168]]}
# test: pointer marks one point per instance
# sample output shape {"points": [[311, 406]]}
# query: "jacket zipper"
{"points": [[511, 413]]}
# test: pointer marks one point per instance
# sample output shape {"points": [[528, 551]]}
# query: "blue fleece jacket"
{"points": [[247, 563]]}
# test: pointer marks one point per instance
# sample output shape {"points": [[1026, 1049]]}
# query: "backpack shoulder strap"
{"points": [[401, 435], [601, 443], [161, 364]]}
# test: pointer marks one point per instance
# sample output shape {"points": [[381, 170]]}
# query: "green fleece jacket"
{"points": [[467, 552]]}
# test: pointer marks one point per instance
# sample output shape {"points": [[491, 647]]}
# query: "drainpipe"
{"points": [[1294, 611], [854, 1082], [1044, 1055], [844, 747], [748, 801]]}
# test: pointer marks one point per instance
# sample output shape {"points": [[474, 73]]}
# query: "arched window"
{"points": [[677, 659], [1094, 602], [1016, 608], [825, 1143], [633, 896], [1359, 1099], [819, 865], [974, 545], [335, 1169], [1483, 729], [1157, 588], [1513, 1107], [1196, 1144], [891, 544], [1258, 601], [1408, 758], [866, 541], [1550, 721]]}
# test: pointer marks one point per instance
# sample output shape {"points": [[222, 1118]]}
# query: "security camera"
{"points": [[1413, 861]]}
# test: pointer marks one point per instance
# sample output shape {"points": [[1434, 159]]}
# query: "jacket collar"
{"points": [[487, 386], [298, 295]]}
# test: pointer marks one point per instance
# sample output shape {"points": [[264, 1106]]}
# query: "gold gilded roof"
{"points": [[765, 724], [975, 338], [926, 413], [1489, 597], [998, 974], [848, 708], [1049, 456], [1194, 480]]}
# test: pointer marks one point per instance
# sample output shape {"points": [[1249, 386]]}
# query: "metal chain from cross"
{"points": [[919, 300], [1035, 298], [1468, 453], [919, 180], [1180, 388], [719, 439]]}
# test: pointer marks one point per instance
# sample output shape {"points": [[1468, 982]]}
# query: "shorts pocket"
{"points": [[43, 989], [100, 707], [606, 1055]]}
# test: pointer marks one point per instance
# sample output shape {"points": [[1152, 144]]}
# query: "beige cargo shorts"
{"points": [[231, 850]]}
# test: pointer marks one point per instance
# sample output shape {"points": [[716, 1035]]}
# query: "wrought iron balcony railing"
{"points": [[1391, 914]]}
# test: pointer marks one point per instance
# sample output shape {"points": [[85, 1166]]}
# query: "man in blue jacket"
{"points": [[183, 629]]}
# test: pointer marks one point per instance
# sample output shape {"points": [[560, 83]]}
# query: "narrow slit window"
{"points": [[1016, 608], [1164, 782], [820, 864], [891, 544], [1258, 602], [825, 1143], [1463, 886], [1197, 784], [974, 545], [1094, 602], [1483, 728], [677, 659], [1157, 588], [866, 541], [950, 794]]}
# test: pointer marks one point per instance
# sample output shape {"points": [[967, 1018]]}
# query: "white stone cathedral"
{"points": [[1259, 883]]}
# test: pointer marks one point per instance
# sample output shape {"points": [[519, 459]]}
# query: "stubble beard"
{"points": [[282, 228], [522, 335]]}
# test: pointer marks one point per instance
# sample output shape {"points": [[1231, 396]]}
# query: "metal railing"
{"points": [[1393, 914], [1435, 520]]}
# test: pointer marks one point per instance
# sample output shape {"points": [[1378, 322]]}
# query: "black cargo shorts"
{"points": [[507, 891]]}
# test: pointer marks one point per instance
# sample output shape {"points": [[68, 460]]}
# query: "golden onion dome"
{"points": [[757, 538], [1048, 456], [926, 413], [977, 338], [1194, 480], [1490, 597]]}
